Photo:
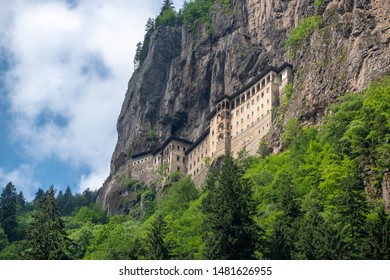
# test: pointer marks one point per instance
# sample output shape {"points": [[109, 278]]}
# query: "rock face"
{"points": [[170, 93]]}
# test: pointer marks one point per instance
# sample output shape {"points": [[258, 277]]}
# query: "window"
{"points": [[253, 101], [247, 116], [242, 120], [267, 101], [253, 113], [242, 109], [178, 168], [237, 112], [238, 123], [247, 106], [178, 147], [258, 109]]}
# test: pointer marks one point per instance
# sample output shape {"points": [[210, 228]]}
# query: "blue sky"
{"points": [[64, 68]]}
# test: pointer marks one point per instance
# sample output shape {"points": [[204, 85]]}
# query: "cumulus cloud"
{"points": [[22, 176], [71, 61]]}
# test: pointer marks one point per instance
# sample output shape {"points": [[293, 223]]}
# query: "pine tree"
{"points": [[46, 236], [284, 232], [68, 205], [8, 202], [137, 57], [158, 249], [377, 241], [229, 210], [167, 5], [38, 195]]}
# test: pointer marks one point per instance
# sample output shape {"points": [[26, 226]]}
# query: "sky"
{"points": [[64, 69]]}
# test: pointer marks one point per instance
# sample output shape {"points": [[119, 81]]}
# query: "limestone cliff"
{"points": [[171, 91]]}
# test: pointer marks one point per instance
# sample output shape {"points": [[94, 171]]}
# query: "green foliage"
{"points": [[167, 18], [229, 210], [3, 239], [318, 4], [291, 133], [47, 239], [196, 12], [264, 149], [178, 197], [300, 33], [158, 249], [117, 240], [288, 91], [8, 203], [151, 136]]}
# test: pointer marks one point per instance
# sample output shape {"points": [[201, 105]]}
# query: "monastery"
{"points": [[236, 122]]}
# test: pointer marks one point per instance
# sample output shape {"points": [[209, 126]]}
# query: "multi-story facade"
{"points": [[237, 121]]}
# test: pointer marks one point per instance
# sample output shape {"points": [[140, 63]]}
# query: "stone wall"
{"points": [[197, 157], [143, 168], [250, 138]]}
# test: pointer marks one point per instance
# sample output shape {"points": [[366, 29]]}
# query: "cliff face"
{"points": [[170, 93]]}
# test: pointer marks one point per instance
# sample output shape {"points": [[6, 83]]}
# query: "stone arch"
{"points": [[221, 127]]}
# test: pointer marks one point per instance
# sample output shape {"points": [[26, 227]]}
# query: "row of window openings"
{"points": [[198, 160], [197, 170], [196, 150], [248, 127], [141, 161], [242, 110], [249, 94], [169, 148], [248, 106]]}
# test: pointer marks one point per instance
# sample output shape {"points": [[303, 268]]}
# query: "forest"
{"points": [[319, 198]]}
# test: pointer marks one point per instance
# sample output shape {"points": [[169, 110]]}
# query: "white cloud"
{"points": [[70, 76], [21, 177]]}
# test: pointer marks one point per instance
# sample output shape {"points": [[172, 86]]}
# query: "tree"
{"points": [[137, 57], [21, 200], [158, 249], [38, 195], [377, 241], [66, 202], [264, 149], [167, 5], [47, 239], [149, 26], [229, 210], [3, 239], [8, 202]]}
